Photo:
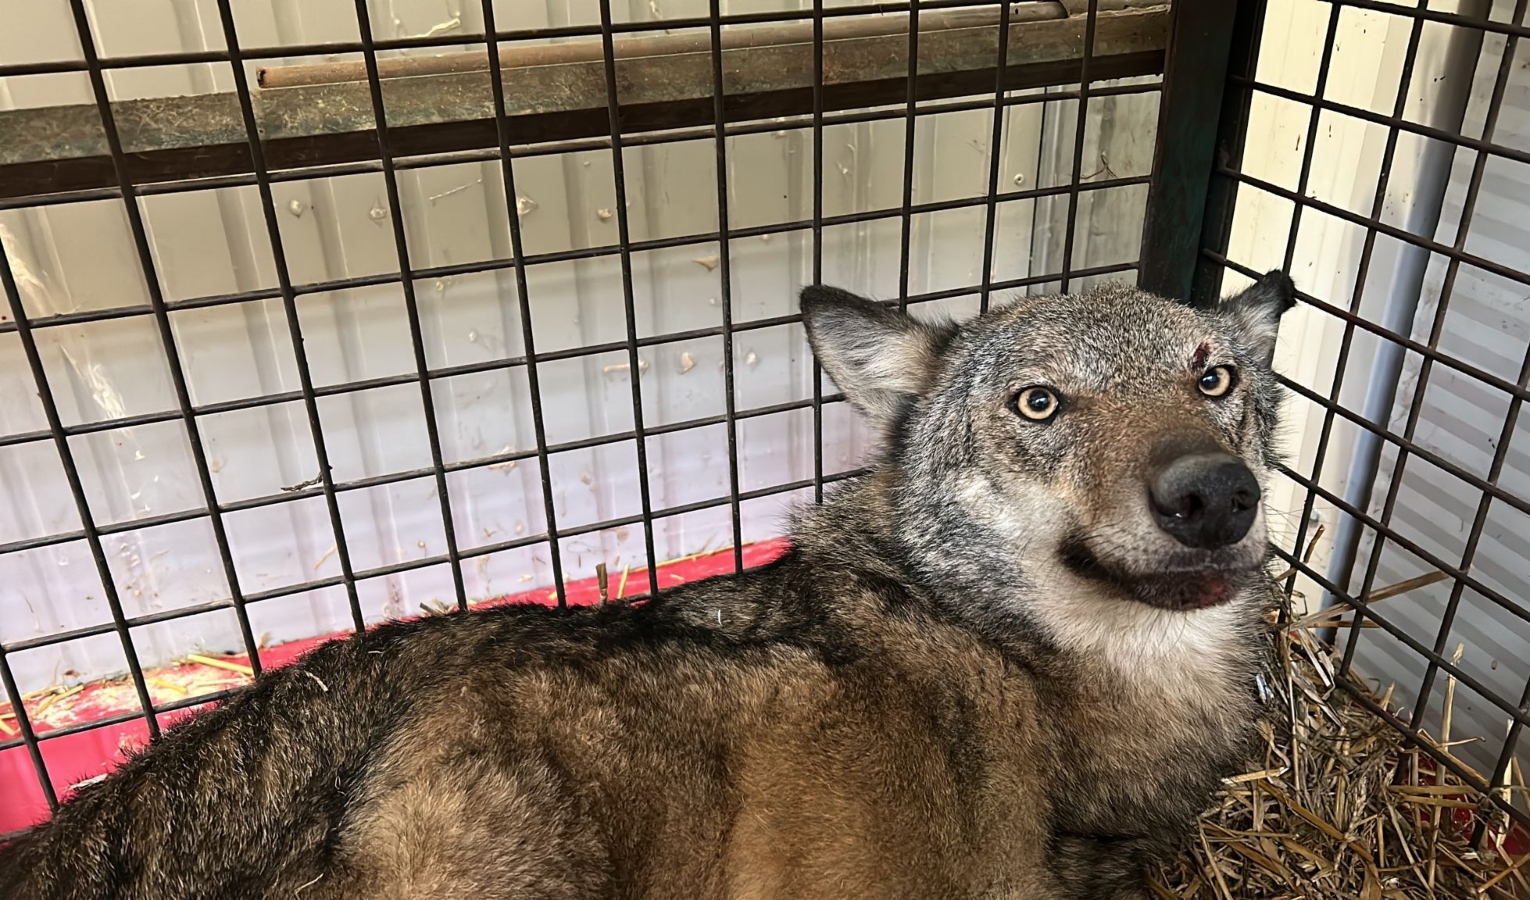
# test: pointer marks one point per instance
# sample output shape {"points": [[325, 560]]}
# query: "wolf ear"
{"points": [[878, 357], [1255, 313]]}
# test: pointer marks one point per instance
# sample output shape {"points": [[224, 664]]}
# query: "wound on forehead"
{"points": [[1202, 353]]}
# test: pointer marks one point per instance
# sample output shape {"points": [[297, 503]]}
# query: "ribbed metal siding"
{"points": [[80, 257]]}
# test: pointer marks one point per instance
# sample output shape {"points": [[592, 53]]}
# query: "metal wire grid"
{"points": [[1242, 79], [262, 177]]}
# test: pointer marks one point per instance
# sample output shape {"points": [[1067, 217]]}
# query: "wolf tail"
{"points": [[238, 801]]}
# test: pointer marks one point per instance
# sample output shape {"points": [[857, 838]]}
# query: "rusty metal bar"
{"points": [[514, 56], [49, 150]]}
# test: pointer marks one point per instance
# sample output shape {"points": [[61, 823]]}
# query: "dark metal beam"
{"points": [[1192, 128]]}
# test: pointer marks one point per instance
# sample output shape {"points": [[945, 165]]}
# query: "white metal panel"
{"points": [[80, 256], [1461, 420], [1488, 325]]}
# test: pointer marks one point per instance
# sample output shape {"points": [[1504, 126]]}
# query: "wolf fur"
{"points": [[982, 671]]}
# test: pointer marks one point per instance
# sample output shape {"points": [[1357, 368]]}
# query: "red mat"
{"points": [[73, 758]]}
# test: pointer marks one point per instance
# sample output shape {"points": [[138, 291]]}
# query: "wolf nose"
{"points": [[1205, 500]]}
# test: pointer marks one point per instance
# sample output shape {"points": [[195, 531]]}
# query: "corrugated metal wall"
{"points": [[1488, 324], [80, 257]]}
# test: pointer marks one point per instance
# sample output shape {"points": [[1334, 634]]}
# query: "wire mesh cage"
{"points": [[381, 361], [328, 314], [1395, 194]]}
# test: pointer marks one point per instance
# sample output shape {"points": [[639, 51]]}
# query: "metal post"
{"points": [[1195, 71]]}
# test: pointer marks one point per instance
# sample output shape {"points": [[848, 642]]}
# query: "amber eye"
{"points": [[1217, 381], [1036, 403]]}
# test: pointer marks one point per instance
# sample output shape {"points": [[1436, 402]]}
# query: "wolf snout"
{"points": [[1205, 500]]}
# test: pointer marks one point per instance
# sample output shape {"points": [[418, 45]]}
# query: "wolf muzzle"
{"points": [[1204, 499]]}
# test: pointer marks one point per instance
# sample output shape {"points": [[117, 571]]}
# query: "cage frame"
{"points": [[1205, 101]]}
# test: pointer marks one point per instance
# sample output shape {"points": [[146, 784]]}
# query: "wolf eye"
{"points": [[1217, 381], [1037, 404]]}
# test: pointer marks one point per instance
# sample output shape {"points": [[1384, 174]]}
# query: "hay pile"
{"points": [[1345, 808]]}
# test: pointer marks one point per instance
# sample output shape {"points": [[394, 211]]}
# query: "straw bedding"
{"points": [[1343, 806]]}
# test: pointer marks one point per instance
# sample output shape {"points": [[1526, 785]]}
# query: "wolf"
{"points": [[1014, 660]]}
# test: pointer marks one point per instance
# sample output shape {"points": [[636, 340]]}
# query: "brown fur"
{"points": [[846, 722]]}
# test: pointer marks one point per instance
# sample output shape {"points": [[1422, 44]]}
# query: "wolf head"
{"points": [[1087, 463]]}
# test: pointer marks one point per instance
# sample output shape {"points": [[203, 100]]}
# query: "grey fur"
{"points": [[981, 671]]}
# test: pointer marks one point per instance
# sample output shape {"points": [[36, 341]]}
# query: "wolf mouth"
{"points": [[1177, 589]]}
